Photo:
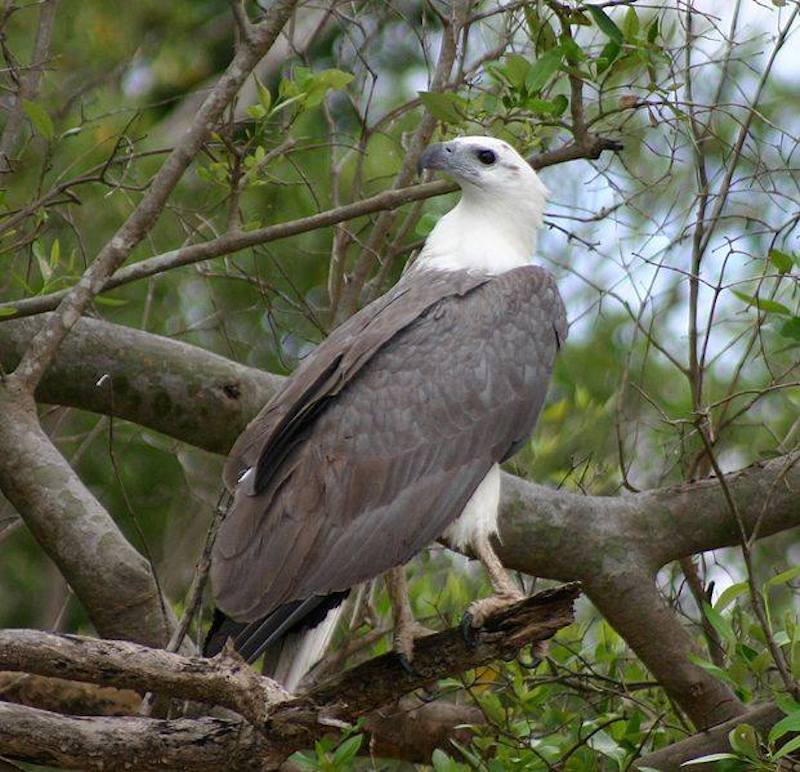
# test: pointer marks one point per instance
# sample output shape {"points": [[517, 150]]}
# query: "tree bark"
{"points": [[280, 725], [110, 577]]}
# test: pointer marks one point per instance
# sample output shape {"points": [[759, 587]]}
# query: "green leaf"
{"points": [[719, 623], [792, 745], [782, 261], [708, 758], [790, 723], [607, 56], [711, 668], [781, 638], [257, 112], [630, 25], [7, 311], [767, 306], [264, 97], [321, 82], [55, 253], [729, 594], [560, 103], [303, 761], [652, 31], [425, 224], [296, 99], [542, 70], [445, 107], [540, 31], [40, 118], [335, 79], [572, 50], [44, 264], [783, 577], [791, 329], [443, 763], [606, 24], [104, 300], [787, 704], [743, 740], [516, 69], [547, 106], [347, 750]]}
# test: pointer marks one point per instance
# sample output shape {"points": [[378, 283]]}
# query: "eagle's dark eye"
{"points": [[486, 157]]}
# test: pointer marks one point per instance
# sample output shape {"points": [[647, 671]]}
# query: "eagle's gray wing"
{"points": [[379, 444]]}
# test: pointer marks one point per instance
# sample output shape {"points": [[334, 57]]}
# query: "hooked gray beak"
{"points": [[435, 156]]}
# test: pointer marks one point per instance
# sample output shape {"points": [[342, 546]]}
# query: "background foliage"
{"points": [[677, 258]]}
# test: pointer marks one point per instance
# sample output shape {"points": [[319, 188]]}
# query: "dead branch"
{"points": [[409, 729], [280, 725]]}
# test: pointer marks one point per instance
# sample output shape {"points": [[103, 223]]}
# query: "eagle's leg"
{"points": [[506, 591], [406, 627]]}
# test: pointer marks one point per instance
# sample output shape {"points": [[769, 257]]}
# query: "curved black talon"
{"points": [[468, 631], [405, 663], [429, 694]]}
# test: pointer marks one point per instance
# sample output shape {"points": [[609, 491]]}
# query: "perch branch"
{"points": [[279, 726]]}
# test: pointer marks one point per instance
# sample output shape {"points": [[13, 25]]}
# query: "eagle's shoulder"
{"points": [[535, 285]]}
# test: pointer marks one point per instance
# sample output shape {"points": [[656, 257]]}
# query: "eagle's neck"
{"points": [[481, 234]]}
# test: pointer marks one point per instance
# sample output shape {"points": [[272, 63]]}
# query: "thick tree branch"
{"points": [[172, 387], [226, 680], [409, 729], [68, 742], [109, 576], [283, 725], [661, 525]]}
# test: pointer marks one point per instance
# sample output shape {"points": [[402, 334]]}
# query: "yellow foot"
{"points": [[481, 610]]}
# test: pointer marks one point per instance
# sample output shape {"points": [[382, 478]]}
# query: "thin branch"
{"points": [[29, 85], [671, 758], [234, 242], [45, 345]]}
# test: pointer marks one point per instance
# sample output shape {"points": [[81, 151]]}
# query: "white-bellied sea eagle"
{"points": [[390, 434]]}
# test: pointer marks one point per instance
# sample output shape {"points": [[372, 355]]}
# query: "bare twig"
{"points": [[234, 242], [28, 85]]}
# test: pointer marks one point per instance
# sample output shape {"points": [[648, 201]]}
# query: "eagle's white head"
{"points": [[493, 226]]}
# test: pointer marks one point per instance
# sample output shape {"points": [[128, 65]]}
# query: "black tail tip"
{"points": [[222, 628]]}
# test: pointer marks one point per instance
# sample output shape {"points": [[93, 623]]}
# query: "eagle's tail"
{"points": [[292, 638]]}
